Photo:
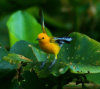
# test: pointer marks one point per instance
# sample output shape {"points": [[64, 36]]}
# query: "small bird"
{"points": [[51, 45]]}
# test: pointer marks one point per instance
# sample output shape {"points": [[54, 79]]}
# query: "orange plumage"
{"points": [[48, 46]]}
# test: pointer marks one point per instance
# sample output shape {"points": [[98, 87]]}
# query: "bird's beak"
{"points": [[37, 39]]}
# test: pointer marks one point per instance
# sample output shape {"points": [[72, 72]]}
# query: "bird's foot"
{"points": [[52, 63]]}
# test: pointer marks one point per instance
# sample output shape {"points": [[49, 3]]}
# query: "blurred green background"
{"points": [[61, 16]]}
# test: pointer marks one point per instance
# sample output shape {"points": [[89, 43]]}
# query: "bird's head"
{"points": [[43, 38]]}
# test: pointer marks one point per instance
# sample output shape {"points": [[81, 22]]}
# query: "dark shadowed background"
{"points": [[61, 16]]}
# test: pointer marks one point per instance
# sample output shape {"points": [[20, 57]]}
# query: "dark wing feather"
{"points": [[62, 40]]}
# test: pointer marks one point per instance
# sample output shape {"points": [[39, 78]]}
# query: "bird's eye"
{"points": [[42, 37]]}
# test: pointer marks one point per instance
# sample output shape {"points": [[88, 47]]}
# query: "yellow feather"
{"points": [[47, 45]]}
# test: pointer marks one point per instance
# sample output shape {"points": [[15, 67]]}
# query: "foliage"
{"points": [[24, 27], [77, 62]]}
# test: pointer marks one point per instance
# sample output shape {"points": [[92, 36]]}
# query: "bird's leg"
{"points": [[54, 61], [44, 62], [42, 65]]}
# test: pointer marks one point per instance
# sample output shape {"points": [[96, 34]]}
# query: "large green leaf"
{"points": [[94, 78], [23, 48], [22, 26], [81, 56]]}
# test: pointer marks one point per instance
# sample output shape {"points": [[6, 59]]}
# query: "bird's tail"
{"points": [[42, 20]]}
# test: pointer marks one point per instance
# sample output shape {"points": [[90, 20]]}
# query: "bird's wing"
{"points": [[61, 40]]}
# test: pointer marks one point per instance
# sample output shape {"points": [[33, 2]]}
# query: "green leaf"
{"points": [[94, 78], [82, 55], [23, 26], [23, 48], [16, 59]]}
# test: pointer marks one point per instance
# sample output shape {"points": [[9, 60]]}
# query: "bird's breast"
{"points": [[50, 48]]}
